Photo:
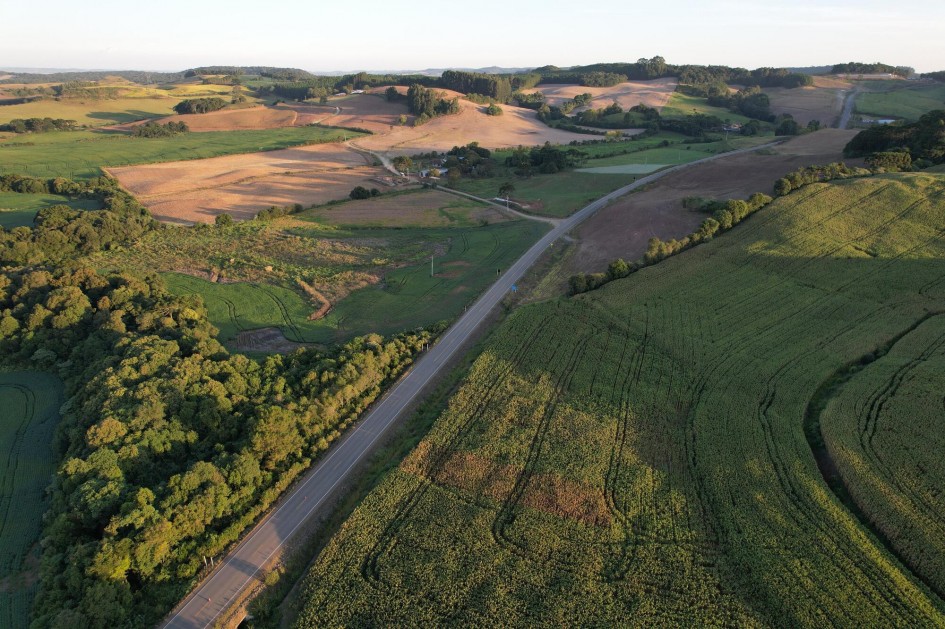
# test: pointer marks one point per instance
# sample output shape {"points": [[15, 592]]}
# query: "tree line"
{"points": [[157, 130], [38, 125], [856, 67]]}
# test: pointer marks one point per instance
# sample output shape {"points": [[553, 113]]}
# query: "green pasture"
{"points": [[19, 209], [906, 103], [29, 412]]}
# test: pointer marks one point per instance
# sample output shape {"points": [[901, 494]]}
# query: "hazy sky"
{"points": [[374, 34]]}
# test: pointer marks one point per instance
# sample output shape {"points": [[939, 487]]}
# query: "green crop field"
{"points": [[637, 455], [30, 410], [19, 209], [465, 263], [885, 429], [80, 154], [908, 104]]}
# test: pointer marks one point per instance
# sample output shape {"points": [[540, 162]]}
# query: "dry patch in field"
{"points": [[362, 111], [481, 476], [654, 93], [427, 208], [622, 229], [196, 191], [267, 340], [822, 101]]}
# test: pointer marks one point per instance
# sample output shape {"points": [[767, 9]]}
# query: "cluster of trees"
{"points": [[935, 76], [750, 102], [495, 86], [471, 161], [534, 100], [544, 159], [855, 67], [924, 140], [889, 161], [493, 110], [726, 214], [813, 174], [38, 125], [275, 211], [60, 232], [156, 130], [427, 104], [169, 446], [360, 192], [199, 105]]}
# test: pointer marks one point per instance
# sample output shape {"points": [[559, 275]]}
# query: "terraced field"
{"points": [[637, 455], [30, 410]]}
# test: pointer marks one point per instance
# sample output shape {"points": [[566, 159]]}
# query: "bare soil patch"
{"points": [[269, 340], [822, 101], [622, 229], [196, 191], [654, 93], [362, 111]]}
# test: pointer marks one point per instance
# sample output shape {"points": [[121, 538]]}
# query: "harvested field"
{"points": [[650, 93], [417, 208], [823, 101], [232, 119], [517, 126], [196, 191], [622, 229], [363, 111]]}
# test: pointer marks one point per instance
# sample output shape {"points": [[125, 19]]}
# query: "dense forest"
{"points": [[199, 105]]}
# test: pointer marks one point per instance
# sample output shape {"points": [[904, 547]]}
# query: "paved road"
{"points": [[848, 103], [238, 569]]}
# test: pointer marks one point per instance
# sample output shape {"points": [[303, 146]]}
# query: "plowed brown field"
{"points": [[650, 93]]}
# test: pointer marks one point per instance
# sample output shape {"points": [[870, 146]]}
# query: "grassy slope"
{"points": [[30, 410], [639, 452], [681, 105], [407, 297], [79, 154], [908, 104]]}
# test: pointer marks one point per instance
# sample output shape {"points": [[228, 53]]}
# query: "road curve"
{"points": [[238, 569]]}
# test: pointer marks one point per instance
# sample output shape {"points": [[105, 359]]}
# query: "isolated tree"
{"points": [[506, 190], [223, 220], [403, 163], [392, 94]]}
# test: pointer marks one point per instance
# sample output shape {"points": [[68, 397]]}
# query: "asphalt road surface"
{"points": [[237, 570]]}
